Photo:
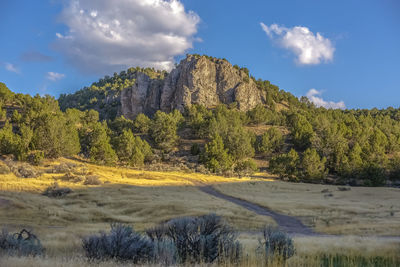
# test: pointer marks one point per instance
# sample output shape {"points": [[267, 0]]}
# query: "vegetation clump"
{"points": [[23, 243], [204, 239], [55, 191], [121, 244], [276, 244]]}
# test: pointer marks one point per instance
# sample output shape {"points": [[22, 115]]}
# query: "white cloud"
{"points": [[309, 48], [106, 36], [54, 76], [315, 97], [11, 67]]}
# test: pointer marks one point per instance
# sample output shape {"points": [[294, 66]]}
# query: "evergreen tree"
{"points": [[313, 167], [285, 165], [216, 157], [270, 141], [164, 130]]}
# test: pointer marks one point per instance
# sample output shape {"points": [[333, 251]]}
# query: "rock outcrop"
{"points": [[196, 80]]}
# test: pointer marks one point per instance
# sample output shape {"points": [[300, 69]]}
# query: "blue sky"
{"points": [[54, 46]]}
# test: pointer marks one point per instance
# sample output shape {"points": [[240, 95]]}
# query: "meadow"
{"points": [[144, 198]]}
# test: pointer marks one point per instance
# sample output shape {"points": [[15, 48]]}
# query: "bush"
{"points": [[246, 168], [23, 243], [63, 168], [199, 239], [92, 180], [70, 177], [4, 169], [277, 244], [35, 157], [56, 191], [121, 244], [195, 149], [25, 170], [142, 124]]}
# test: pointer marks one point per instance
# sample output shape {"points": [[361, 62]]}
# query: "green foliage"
{"points": [[271, 141], [197, 118], [142, 124], [164, 130], [96, 143], [246, 167], [301, 131], [216, 157], [373, 175], [132, 150], [285, 165], [103, 96], [120, 124], [277, 244], [313, 167], [5, 94], [195, 149], [35, 157]]}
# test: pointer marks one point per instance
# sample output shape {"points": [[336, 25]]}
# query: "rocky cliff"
{"points": [[196, 80]]}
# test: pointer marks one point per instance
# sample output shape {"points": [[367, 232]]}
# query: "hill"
{"points": [[201, 80], [204, 116]]}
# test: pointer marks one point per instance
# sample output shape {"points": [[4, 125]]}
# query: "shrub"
{"points": [[216, 157], [24, 170], [56, 191], [246, 167], [23, 243], [277, 244], [92, 180], [199, 239], [270, 141], [63, 168], [373, 175], [142, 123], [195, 149], [4, 169], [121, 244], [35, 157], [70, 177]]}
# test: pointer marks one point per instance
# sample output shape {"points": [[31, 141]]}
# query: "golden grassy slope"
{"points": [[143, 198]]}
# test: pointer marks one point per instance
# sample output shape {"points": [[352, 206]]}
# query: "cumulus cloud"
{"points": [[35, 56], [308, 47], [54, 76], [315, 97], [11, 67], [106, 36]]}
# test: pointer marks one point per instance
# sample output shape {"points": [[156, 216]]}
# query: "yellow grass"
{"points": [[140, 198], [360, 211], [144, 198]]}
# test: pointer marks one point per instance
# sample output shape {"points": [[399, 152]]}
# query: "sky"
{"points": [[340, 54]]}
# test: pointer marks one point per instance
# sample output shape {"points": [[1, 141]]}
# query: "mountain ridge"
{"points": [[202, 80]]}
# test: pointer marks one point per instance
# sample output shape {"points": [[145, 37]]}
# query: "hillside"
{"points": [[205, 116], [201, 80]]}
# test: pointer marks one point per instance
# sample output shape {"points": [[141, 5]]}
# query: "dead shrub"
{"points": [[56, 191], [92, 180], [24, 170], [4, 169]]}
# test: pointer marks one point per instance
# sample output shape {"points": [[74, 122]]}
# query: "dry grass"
{"points": [[310, 251], [139, 198], [143, 199], [360, 211]]}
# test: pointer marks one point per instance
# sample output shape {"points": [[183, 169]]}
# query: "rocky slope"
{"points": [[196, 80]]}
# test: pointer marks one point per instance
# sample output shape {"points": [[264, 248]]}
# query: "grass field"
{"points": [[359, 211], [143, 199]]}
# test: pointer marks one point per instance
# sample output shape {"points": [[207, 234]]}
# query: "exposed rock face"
{"points": [[196, 80], [143, 97]]}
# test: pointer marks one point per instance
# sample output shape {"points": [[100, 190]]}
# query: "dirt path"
{"points": [[289, 224]]}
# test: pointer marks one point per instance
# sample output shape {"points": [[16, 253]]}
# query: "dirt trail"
{"points": [[289, 224]]}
